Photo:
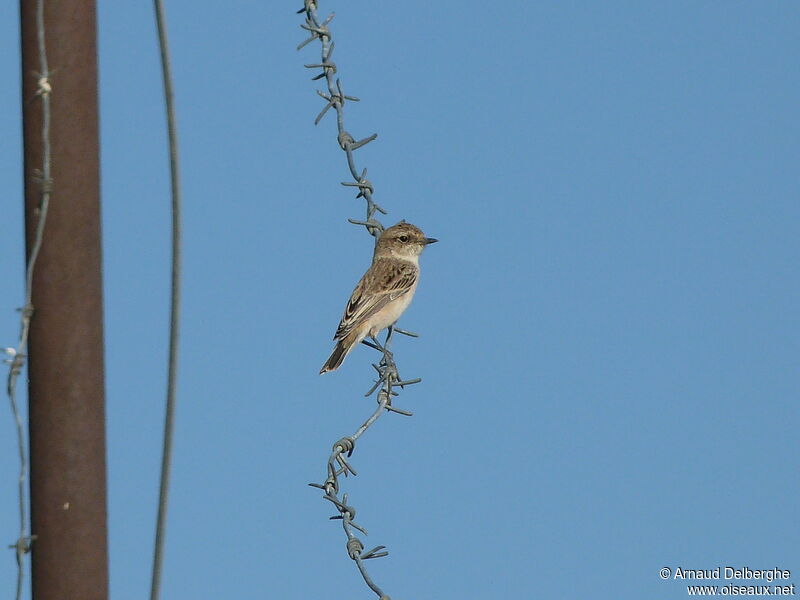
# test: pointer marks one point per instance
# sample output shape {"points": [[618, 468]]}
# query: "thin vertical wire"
{"points": [[169, 419], [18, 355]]}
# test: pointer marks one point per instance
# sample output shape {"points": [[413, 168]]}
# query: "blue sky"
{"points": [[609, 324]]}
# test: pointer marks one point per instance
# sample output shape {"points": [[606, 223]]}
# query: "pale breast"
{"points": [[391, 312]]}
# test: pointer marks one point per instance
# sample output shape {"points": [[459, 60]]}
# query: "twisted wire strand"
{"points": [[388, 378], [18, 354]]}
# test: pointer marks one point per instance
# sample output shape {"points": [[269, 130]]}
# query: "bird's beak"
{"points": [[430, 241]]}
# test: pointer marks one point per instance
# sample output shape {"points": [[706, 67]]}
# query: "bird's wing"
{"points": [[386, 280]]}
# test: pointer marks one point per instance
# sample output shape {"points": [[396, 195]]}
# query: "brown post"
{"points": [[65, 366]]}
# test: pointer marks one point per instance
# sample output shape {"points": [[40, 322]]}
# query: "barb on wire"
{"points": [[17, 356], [388, 378]]}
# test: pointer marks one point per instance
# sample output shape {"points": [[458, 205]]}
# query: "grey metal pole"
{"points": [[65, 366]]}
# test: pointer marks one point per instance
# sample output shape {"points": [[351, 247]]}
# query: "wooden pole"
{"points": [[65, 365]]}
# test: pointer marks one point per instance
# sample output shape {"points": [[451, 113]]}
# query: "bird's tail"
{"points": [[341, 350]]}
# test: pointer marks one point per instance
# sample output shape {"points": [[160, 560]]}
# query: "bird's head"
{"points": [[403, 240]]}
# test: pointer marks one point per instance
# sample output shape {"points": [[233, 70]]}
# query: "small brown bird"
{"points": [[384, 292]]}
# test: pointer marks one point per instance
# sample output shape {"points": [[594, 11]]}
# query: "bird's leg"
{"points": [[387, 369], [389, 333], [390, 369], [387, 355], [374, 343]]}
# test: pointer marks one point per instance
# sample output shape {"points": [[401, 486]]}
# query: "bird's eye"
{"points": [[403, 238]]}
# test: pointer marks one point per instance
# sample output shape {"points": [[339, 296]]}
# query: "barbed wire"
{"points": [[18, 355], [388, 377]]}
